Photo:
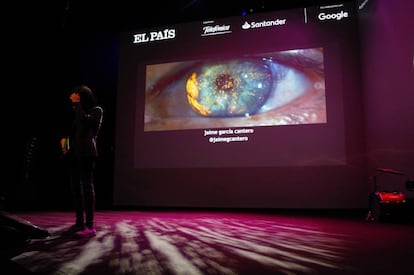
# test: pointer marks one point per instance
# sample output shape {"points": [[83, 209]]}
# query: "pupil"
{"points": [[224, 82]]}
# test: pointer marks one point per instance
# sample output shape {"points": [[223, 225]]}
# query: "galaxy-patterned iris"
{"points": [[230, 88]]}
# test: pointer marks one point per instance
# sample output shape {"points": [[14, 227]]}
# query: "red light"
{"points": [[391, 197]]}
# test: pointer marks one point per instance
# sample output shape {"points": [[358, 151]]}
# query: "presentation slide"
{"points": [[267, 89]]}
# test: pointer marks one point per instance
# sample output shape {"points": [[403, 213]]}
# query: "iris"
{"points": [[229, 88]]}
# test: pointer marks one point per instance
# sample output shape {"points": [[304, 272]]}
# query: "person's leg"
{"points": [[89, 192], [87, 166], [77, 190]]}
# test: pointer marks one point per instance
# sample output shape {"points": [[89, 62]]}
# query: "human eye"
{"points": [[278, 88]]}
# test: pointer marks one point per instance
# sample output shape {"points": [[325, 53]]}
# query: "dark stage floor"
{"points": [[213, 242]]}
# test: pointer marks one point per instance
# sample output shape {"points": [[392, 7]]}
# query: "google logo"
{"points": [[333, 16]]}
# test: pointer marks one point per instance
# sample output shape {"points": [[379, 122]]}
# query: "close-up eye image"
{"points": [[277, 88]]}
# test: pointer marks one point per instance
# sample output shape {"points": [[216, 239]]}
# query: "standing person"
{"points": [[81, 147]]}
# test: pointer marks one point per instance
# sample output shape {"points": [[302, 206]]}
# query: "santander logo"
{"points": [[262, 24]]}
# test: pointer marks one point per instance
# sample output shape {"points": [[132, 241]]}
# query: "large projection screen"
{"points": [[263, 92]]}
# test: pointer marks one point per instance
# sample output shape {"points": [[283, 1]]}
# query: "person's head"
{"points": [[87, 98]]}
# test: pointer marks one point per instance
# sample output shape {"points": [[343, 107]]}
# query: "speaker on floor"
{"points": [[15, 231]]}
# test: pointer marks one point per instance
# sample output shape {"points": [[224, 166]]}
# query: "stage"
{"points": [[214, 242]]}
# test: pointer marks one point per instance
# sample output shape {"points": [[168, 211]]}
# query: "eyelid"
{"points": [[313, 59]]}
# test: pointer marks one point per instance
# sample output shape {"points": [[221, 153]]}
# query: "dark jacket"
{"points": [[86, 126]]}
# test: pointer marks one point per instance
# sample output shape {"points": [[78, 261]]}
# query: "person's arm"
{"points": [[65, 141], [64, 145], [94, 115]]}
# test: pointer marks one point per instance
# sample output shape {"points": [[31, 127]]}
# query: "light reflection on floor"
{"points": [[187, 244]]}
